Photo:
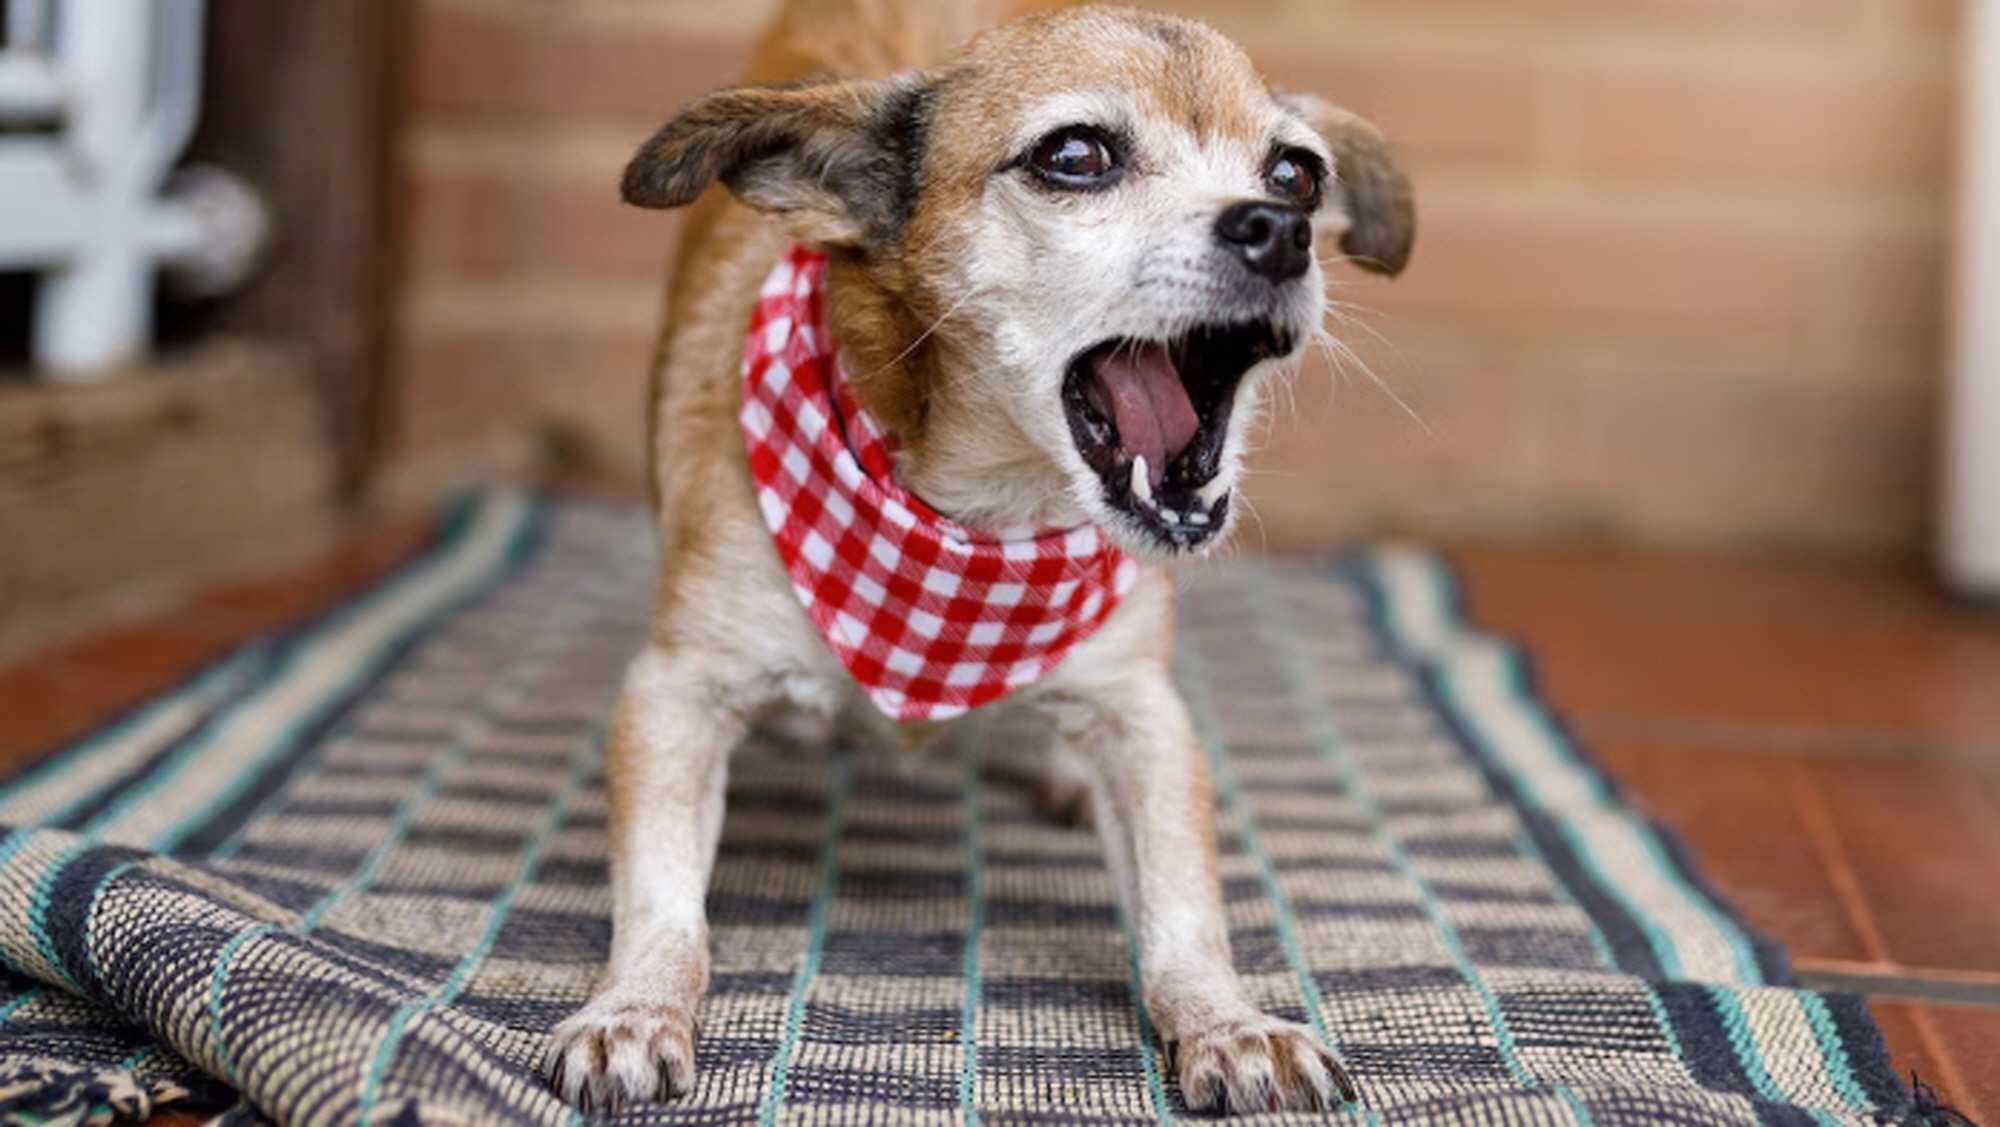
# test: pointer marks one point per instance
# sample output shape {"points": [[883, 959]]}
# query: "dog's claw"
{"points": [[611, 1054], [1261, 1064]]}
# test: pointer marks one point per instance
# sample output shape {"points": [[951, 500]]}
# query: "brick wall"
{"points": [[1678, 275]]}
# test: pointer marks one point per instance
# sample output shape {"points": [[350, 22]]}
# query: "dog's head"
{"points": [[1066, 261]]}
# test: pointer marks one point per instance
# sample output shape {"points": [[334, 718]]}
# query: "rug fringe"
{"points": [[59, 1095], [1928, 1109]]}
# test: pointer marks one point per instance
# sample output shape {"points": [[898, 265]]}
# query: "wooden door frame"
{"points": [[307, 102]]}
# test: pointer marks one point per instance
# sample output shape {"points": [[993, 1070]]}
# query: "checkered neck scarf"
{"points": [[931, 617]]}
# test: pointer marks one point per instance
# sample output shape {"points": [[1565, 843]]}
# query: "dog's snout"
{"points": [[1273, 239]]}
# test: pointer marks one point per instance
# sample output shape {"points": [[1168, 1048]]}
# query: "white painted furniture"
{"points": [[1970, 552], [99, 97]]}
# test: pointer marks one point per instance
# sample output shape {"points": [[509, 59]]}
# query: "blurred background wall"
{"points": [[1678, 277], [1679, 281]]}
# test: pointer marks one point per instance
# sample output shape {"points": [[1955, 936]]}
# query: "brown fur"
{"points": [[872, 133]]}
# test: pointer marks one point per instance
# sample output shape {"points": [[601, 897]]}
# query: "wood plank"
{"points": [[305, 101], [119, 491]]}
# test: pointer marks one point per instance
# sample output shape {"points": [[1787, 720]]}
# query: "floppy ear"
{"points": [[838, 162], [1371, 196]]}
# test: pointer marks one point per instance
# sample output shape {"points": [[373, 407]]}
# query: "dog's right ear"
{"points": [[837, 162]]}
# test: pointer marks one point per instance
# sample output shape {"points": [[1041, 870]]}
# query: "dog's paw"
{"points": [[1261, 1064], [614, 1053]]}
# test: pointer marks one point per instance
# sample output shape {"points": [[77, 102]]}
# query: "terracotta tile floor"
{"points": [[1826, 737]]}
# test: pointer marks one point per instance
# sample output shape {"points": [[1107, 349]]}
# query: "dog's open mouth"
{"points": [[1150, 417]]}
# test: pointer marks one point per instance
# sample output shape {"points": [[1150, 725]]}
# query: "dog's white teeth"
{"points": [[1214, 491], [1142, 482], [1197, 519]]}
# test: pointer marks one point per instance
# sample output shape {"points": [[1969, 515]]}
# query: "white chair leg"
{"points": [[95, 311], [94, 314], [99, 228]]}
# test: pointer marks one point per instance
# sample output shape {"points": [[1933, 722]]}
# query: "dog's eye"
{"points": [[1295, 175], [1077, 157]]}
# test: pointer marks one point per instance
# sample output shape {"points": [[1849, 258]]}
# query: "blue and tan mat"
{"points": [[356, 871]]}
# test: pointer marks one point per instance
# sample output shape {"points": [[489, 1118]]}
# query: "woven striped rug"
{"points": [[355, 872]]}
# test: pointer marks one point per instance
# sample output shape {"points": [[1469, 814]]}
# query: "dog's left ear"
{"points": [[1371, 202], [837, 162]]}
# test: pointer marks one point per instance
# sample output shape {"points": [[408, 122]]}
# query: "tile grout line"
{"points": [[1824, 836], [1902, 986], [1888, 968], [1949, 1080]]}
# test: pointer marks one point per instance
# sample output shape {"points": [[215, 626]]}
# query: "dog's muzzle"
{"points": [[1151, 417]]}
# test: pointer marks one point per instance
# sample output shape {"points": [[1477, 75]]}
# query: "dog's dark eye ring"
{"points": [[1296, 176], [1077, 158]]}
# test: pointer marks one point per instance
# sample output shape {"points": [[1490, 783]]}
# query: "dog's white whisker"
{"points": [[1342, 358], [923, 336], [1354, 315], [1250, 513]]}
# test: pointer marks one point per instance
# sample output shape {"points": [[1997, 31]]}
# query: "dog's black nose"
{"points": [[1274, 239]]}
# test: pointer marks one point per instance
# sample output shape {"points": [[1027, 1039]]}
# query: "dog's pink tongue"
{"points": [[1148, 402]]}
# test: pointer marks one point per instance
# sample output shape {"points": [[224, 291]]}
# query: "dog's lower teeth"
{"points": [[1214, 491], [1142, 482]]}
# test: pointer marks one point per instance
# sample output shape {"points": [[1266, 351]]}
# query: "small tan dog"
{"points": [[1067, 259]]}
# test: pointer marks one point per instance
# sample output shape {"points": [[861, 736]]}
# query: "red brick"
{"points": [[641, 73], [1770, 456], [462, 387], [1898, 288], [1720, 17], [532, 63], [485, 223], [473, 61], [1941, 19], [1559, 217], [1240, 19], [1547, 266], [430, 205], [1834, 128], [1439, 108], [590, 230], [453, 388], [1427, 422], [470, 223]]}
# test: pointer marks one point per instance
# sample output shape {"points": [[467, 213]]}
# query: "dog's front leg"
{"points": [[1153, 804], [667, 769]]}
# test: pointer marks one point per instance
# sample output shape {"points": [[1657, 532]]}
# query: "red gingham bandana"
{"points": [[931, 617]]}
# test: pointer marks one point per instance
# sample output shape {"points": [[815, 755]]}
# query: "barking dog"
{"points": [[964, 356]]}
